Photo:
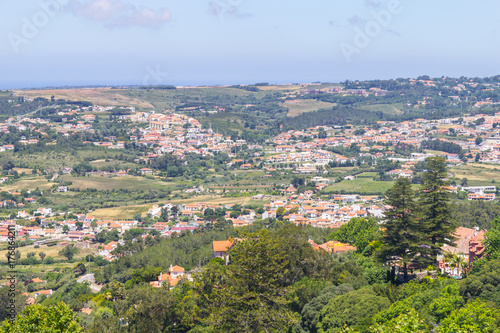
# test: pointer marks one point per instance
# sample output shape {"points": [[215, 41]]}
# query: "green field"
{"points": [[385, 108], [52, 251], [169, 99], [360, 186], [367, 175], [107, 183], [117, 213], [118, 165], [306, 105], [28, 184], [477, 174]]}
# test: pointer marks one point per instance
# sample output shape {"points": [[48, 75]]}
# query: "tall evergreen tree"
{"points": [[435, 206], [253, 298], [402, 235]]}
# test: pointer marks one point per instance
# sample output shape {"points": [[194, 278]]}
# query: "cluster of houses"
{"points": [[298, 209]]}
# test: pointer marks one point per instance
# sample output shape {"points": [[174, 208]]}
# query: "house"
{"points": [[484, 197], [87, 311], [62, 189], [176, 271], [23, 215], [336, 247], [460, 248], [476, 247], [146, 171], [76, 235], [116, 226], [405, 173], [174, 275], [47, 292], [107, 249], [67, 171], [221, 249]]}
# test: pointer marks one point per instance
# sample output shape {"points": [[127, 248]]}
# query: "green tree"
{"points": [[482, 282], [353, 309], [80, 269], [358, 232], [5, 303], [42, 255], [475, 317], [68, 252], [7, 165], [280, 212], [65, 228], [253, 298], [311, 311], [408, 322], [438, 225], [174, 210], [402, 235], [41, 319], [492, 239]]}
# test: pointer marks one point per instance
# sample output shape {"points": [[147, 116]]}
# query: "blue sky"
{"points": [[206, 42]]}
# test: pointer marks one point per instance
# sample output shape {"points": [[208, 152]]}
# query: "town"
{"points": [[137, 177]]}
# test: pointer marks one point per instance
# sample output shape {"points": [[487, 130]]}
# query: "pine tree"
{"points": [[402, 235], [253, 298], [435, 206]]}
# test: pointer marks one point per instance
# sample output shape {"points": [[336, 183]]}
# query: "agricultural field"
{"points": [[216, 200], [52, 251], [306, 105], [118, 165], [109, 183], [121, 213], [28, 184], [385, 108], [477, 174], [367, 175], [359, 185], [99, 96]]}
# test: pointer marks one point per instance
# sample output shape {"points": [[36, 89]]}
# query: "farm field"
{"points": [[106, 183], [385, 108], [52, 251], [306, 105], [477, 174], [28, 184], [121, 213], [359, 185], [100, 96]]}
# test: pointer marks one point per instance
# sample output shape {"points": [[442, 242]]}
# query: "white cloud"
{"points": [[222, 8], [119, 13]]}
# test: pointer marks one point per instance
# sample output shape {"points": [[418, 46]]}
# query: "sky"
{"points": [[218, 42]]}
